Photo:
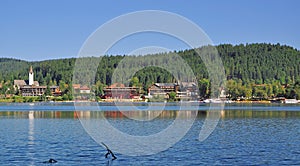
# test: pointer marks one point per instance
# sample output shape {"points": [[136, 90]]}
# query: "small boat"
{"points": [[229, 101], [217, 101], [213, 101], [291, 101]]}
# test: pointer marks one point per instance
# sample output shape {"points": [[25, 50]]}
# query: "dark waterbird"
{"points": [[50, 161]]}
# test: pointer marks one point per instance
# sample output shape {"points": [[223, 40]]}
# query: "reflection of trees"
{"points": [[260, 114], [39, 114]]}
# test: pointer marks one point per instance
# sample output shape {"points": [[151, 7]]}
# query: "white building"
{"points": [[30, 76], [33, 88]]}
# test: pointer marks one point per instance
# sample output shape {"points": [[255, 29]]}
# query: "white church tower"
{"points": [[31, 76]]}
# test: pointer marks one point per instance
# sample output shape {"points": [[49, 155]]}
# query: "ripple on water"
{"points": [[237, 140]]}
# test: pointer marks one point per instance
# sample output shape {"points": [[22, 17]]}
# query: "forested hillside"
{"points": [[246, 64], [262, 63], [12, 68]]}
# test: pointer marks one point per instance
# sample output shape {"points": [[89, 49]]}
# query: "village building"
{"points": [[188, 91], [76, 88], [81, 89], [183, 90], [32, 88], [84, 89], [29, 90], [162, 89], [120, 91], [19, 83], [81, 92]]}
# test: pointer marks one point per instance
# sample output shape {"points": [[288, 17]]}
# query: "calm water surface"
{"points": [[245, 135]]}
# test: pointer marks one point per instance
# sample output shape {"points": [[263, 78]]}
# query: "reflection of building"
{"points": [[120, 91], [32, 88]]}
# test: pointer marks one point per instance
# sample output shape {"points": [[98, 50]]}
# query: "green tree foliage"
{"points": [[172, 96], [293, 91], [48, 91], [65, 97], [134, 82], [69, 92], [98, 88], [271, 65], [63, 86], [204, 86]]}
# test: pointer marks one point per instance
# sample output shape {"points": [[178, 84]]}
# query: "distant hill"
{"points": [[259, 63], [12, 68]]}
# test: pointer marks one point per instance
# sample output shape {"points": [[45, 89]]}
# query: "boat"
{"points": [[217, 101], [213, 101], [229, 101], [290, 101]]}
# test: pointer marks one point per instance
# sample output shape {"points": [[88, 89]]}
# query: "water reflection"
{"points": [[259, 114], [145, 114], [30, 143]]}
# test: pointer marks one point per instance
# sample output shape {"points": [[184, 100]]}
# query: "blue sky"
{"points": [[37, 30]]}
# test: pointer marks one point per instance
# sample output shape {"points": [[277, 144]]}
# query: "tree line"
{"points": [[259, 70]]}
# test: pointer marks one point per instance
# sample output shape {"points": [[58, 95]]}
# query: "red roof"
{"points": [[76, 86], [115, 85], [84, 88]]}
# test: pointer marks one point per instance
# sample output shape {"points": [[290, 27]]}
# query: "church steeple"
{"points": [[31, 81], [30, 70]]}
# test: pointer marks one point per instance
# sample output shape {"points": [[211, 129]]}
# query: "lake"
{"points": [[245, 134]]}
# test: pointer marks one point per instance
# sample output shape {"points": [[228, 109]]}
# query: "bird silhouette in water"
{"points": [[109, 152], [50, 161]]}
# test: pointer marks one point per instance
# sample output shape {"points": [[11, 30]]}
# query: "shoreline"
{"points": [[144, 102]]}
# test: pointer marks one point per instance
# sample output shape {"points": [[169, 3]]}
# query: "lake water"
{"points": [[245, 135]]}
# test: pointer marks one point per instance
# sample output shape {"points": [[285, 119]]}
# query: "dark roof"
{"points": [[44, 87], [188, 84]]}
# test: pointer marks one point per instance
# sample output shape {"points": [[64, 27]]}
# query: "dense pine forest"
{"points": [[260, 70]]}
